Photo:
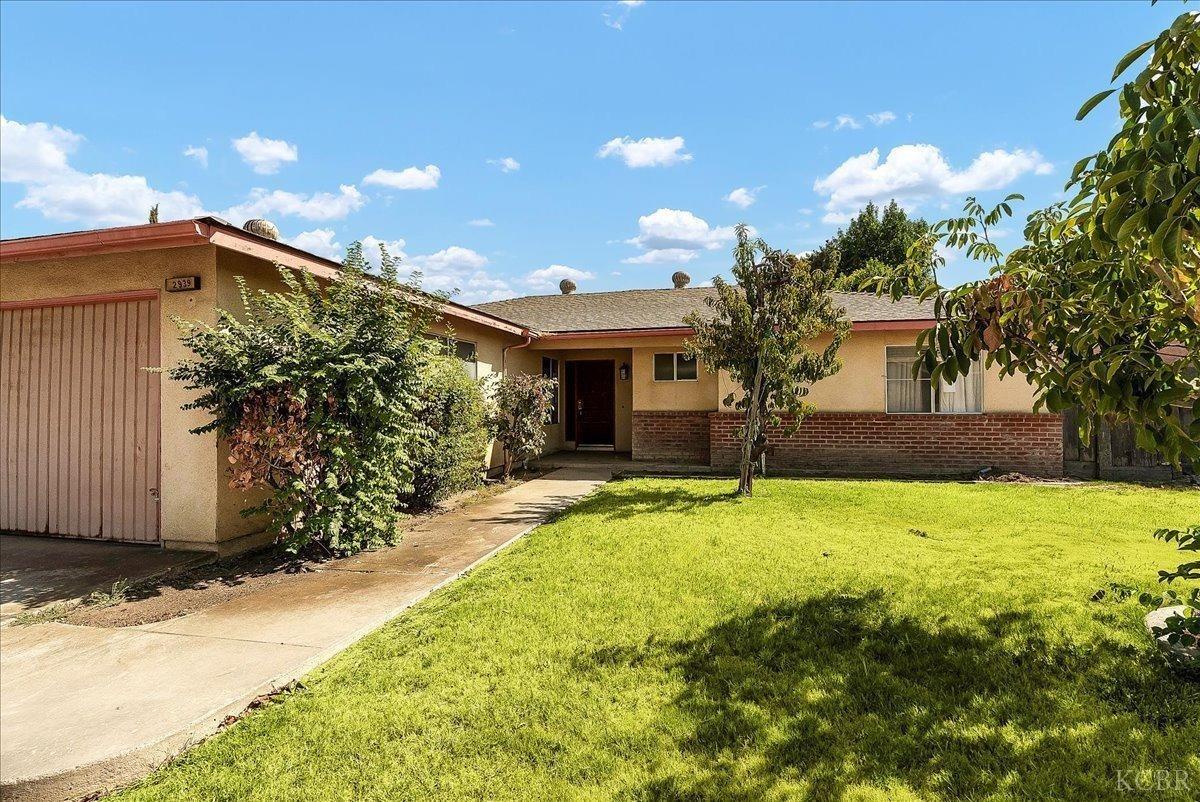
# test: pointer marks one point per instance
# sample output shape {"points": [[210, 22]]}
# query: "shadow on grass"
{"points": [[808, 699], [626, 503]]}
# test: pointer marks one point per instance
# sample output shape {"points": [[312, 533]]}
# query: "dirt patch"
{"points": [[208, 585]]}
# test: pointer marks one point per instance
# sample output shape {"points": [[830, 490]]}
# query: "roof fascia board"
{"points": [[861, 325], [84, 243]]}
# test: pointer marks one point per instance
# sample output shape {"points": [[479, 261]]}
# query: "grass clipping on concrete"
{"points": [[665, 640]]}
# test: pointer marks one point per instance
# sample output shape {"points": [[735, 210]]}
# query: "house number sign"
{"points": [[183, 283]]}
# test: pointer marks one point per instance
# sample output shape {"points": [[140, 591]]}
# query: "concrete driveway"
{"points": [[87, 709], [37, 572]]}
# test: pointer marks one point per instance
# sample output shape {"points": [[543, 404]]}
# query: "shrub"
{"points": [[519, 410], [450, 458], [317, 390]]}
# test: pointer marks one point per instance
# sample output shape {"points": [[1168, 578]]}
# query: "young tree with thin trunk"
{"points": [[761, 332]]}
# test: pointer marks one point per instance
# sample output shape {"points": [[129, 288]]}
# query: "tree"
{"points": [[316, 391], [1100, 307], [760, 332], [519, 411], [872, 246], [449, 457]]}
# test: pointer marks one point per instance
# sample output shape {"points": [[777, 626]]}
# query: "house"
{"points": [[92, 445]]}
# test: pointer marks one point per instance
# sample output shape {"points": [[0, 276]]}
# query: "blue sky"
{"points": [[503, 146]]}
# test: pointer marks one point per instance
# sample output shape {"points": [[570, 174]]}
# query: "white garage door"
{"points": [[79, 426]]}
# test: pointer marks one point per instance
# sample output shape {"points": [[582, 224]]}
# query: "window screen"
{"points": [[685, 367], [664, 367]]}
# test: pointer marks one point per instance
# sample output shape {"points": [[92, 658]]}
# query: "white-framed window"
{"points": [[550, 370], [908, 394], [676, 367], [463, 349]]}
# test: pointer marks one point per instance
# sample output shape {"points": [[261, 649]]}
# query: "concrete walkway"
{"points": [[84, 709]]}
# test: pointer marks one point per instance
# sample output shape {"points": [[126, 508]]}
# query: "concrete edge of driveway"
{"points": [[119, 771]]}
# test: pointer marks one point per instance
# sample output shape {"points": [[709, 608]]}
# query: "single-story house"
{"points": [[93, 446]]}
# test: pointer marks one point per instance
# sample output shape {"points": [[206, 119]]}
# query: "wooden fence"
{"points": [[1112, 453]]}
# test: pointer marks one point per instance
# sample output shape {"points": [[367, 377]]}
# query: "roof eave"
{"points": [[204, 231]]}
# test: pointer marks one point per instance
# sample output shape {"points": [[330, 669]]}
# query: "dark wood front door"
{"points": [[595, 401]]}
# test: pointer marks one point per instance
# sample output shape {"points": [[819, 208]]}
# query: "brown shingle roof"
{"points": [[664, 309]]}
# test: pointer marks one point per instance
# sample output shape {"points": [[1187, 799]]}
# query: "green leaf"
{"points": [[1131, 225], [1131, 57], [1092, 102]]}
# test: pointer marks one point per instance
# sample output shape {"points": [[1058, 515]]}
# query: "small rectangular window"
{"points": [[550, 370], [462, 349], [675, 367], [906, 393]]}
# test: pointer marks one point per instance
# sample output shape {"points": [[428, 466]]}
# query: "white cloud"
{"points": [[319, 206], [107, 200], [548, 277], [462, 269], [882, 118], [371, 249], [321, 241], [646, 152], [481, 222], [744, 196], [36, 155], [675, 236], [507, 165], [846, 121], [821, 124], [408, 178], [918, 172], [615, 18], [197, 152], [662, 256], [265, 156]]}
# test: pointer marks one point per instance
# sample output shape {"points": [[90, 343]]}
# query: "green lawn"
{"points": [[824, 640]]}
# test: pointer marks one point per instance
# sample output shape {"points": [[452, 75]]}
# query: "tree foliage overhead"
{"points": [[1100, 307], [761, 331], [891, 245]]}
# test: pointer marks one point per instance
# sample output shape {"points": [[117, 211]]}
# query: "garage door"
{"points": [[79, 420]]}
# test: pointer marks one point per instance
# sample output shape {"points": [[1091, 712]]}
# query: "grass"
{"points": [[824, 640]]}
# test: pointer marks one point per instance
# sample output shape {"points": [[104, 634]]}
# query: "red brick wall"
{"points": [[677, 437], [877, 443]]}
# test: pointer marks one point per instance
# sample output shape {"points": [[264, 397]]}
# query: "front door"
{"points": [[595, 401]]}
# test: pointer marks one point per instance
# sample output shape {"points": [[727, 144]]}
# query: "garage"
{"points": [[79, 416]]}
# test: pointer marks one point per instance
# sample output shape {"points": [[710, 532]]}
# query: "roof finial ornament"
{"points": [[680, 279], [566, 286]]}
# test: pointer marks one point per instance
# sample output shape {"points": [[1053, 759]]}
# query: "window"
{"points": [[462, 349], [906, 394], [550, 370], [674, 368]]}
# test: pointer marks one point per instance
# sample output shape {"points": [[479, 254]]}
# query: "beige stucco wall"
{"points": [[188, 463], [682, 396], [860, 385]]}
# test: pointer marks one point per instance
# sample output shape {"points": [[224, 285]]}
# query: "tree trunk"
{"points": [[750, 436]]}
